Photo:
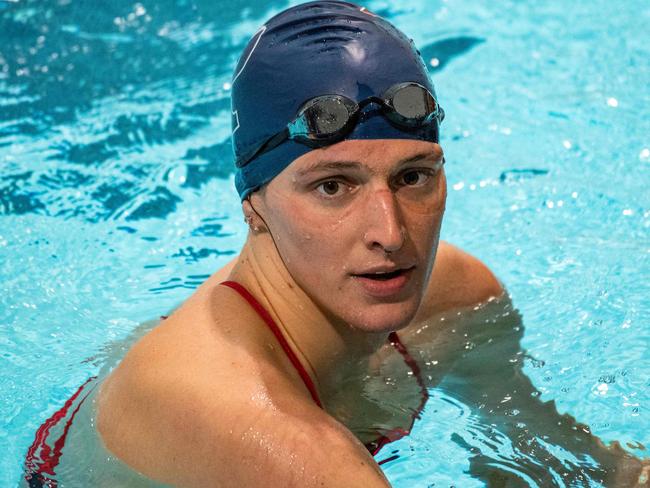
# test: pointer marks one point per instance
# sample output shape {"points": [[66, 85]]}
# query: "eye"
{"points": [[329, 188], [415, 177]]}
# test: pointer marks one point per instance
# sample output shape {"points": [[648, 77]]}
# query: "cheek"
{"points": [[429, 203], [424, 234], [425, 223], [309, 244]]}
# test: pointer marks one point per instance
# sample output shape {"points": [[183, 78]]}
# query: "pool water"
{"points": [[117, 199]]}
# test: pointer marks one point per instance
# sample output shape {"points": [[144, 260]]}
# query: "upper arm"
{"points": [[458, 279], [201, 433]]}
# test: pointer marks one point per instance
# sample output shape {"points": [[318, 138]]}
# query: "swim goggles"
{"points": [[328, 119]]}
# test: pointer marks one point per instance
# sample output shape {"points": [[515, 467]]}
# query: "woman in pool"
{"points": [[344, 217], [261, 377]]}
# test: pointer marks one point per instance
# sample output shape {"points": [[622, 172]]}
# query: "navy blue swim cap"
{"points": [[317, 48]]}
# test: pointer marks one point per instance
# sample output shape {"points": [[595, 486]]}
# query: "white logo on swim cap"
{"points": [[259, 34], [260, 31], [236, 115]]}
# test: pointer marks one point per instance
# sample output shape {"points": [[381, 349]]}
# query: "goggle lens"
{"points": [[326, 116], [414, 103]]}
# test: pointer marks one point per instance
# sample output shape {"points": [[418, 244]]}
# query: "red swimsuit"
{"points": [[41, 459]]}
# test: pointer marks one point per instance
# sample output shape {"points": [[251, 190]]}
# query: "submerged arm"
{"points": [[483, 367]]}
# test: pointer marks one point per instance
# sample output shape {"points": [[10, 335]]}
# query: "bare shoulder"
{"points": [[458, 280], [194, 404]]}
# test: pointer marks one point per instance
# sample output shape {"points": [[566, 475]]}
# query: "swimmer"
{"points": [[259, 378]]}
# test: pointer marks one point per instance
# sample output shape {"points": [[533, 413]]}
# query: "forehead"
{"points": [[374, 154]]}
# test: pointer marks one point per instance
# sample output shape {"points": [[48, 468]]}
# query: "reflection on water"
{"points": [[100, 104], [483, 407]]}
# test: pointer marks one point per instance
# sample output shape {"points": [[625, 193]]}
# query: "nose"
{"points": [[383, 224]]}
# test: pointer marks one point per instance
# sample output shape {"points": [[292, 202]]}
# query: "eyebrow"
{"points": [[421, 156], [329, 165], [324, 165]]}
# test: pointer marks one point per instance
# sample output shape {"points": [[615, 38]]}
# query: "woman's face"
{"points": [[357, 225]]}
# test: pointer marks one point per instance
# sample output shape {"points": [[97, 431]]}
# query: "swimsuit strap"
{"points": [[410, 362], [395, 434], [42, 458], [264, 314]]}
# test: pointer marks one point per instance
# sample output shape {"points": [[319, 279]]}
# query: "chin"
{"points": [[382, 317]]}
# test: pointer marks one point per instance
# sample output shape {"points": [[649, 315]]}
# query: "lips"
{"points": [[382, 276], [384, 282]]}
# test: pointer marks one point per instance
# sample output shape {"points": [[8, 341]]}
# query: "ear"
{"points": [[255, 222]]}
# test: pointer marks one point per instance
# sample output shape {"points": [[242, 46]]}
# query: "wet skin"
{"points": [[343, 248]]}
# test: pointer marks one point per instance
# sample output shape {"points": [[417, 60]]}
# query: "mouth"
{"points": [[383, 283], [383, 275]]}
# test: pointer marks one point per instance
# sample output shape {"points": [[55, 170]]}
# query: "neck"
{"points": [[328, 348]]}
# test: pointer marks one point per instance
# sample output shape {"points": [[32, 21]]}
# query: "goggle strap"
{"points": [[268, 145]]}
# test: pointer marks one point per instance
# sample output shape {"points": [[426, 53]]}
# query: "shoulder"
{"points": [[193, 406], [458, 280]]}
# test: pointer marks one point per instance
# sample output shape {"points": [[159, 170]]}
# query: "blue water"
{"points": [[116, 194]]}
